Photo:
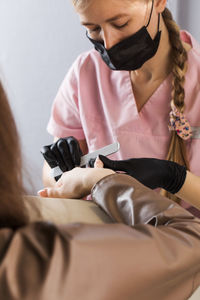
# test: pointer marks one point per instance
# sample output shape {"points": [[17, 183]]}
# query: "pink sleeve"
{"points": [[65, 117]]}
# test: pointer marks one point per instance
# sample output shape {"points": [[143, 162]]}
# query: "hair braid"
{"points": [[177, 148]]}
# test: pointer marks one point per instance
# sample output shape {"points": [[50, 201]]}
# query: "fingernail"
{"points": [[42, 193]]}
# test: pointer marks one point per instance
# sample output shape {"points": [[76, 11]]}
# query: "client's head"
{"points": [[12, 210]]}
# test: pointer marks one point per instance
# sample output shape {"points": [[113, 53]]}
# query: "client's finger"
{"points": [[45, 192], [42, 193], [98, 163], [51, 193]]}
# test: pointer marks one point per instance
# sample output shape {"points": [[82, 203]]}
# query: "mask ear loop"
{"points": [[158, 21], [150, 14]]}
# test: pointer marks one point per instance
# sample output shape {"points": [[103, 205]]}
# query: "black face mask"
{"points": [[131, 53]]}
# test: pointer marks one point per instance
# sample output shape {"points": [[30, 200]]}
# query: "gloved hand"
{"points": [[65, 153], [154, 173]]}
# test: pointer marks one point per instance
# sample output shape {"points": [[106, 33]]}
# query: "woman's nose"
{"points": [[109, 39]]}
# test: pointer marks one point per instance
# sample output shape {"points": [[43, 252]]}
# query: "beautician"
{"points": [[140, 86]]}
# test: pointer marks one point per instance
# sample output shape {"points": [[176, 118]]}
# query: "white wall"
{"points": [[39, 39], [188, 16]]}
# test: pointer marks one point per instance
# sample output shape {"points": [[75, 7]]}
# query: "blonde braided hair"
{"points": [[177, 148]]}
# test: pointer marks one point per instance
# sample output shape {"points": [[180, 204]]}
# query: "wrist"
{"points": [[93, 176]]}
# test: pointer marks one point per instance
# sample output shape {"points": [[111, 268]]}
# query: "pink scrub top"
{"points": [[98, 104]]}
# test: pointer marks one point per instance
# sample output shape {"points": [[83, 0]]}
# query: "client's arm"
{"points": [[75, 184], [156, 257]]}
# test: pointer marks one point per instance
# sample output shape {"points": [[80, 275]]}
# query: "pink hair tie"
{"points": [[179, 123]]}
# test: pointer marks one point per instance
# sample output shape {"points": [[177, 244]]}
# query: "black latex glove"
{"points": [[152, 172], [65, 153]]}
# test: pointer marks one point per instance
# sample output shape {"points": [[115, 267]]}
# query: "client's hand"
{"points": [[154, 173], [76, 184]]}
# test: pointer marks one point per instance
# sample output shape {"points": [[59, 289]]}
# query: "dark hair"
{"points": [[12, 210]]}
